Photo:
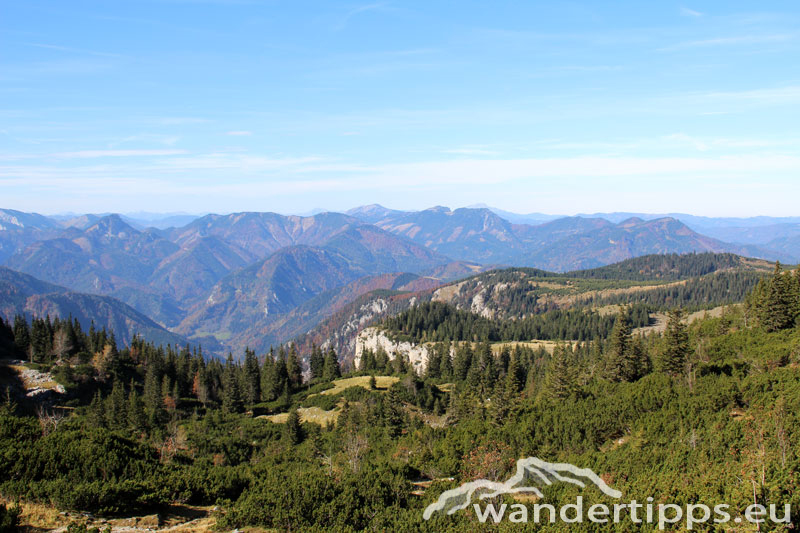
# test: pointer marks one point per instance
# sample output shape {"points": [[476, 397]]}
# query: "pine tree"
{"points": [[487, 367], [281, 373], [136, 415], [676, 345], [154, 402], [96, 413], [270, 387], [779, 308], [294, 369], [462, 362], [560, 380], [116, 407], [503, 360], [316, 362], [393, 415], [515, 380], [251, 379], [294, 431], [433, 369], [231, 399], [446, 364], [619, 360], [639, 359], [22, 336], [331, 370]]}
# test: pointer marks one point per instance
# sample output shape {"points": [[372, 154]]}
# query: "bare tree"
{"points": [[49, 419], [355, 446], [61, 344]]}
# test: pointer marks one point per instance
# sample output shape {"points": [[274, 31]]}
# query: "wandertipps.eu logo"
{"points": [[531, 474]]}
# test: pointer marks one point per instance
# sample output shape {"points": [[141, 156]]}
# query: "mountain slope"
{"points": [[18, 230], [630, 238], [465, 234], [261, 234], [692, 280], [24, 294]]}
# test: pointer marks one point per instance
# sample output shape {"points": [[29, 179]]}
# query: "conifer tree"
{"points": [[446, 364], [381, 360], [503, 360], [639, 359], [393, 415], [294, 369], [487, 367], [136, 415], [294, 431], [462, 362], [676, 344], [560, 380], [22, 337], [433, 368], [154, 402], [514, 378], [281, 373], [270, 387], [251, 379], [96, 414], [316, 362], [231, 399], [619, 361], [331, 368], [116, 406], [780, 306]]}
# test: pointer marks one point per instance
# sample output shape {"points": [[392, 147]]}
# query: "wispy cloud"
{"points": [[91, 154], [239, 133], [729, 41], [686, 12], [180, 121], [69, 49], [343, 21], [469, 151]]}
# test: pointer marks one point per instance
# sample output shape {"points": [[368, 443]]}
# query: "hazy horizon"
{"points": [[156, 215], [248, 106]]}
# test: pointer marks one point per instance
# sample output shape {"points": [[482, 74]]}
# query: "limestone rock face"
{"points": [[373, 339]]}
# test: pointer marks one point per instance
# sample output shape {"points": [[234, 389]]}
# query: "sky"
{"points": [[556, 107]]}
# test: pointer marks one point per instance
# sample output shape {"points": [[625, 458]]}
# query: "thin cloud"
{"points": [[60, 48], [355, 11], [686, 12], [728, 41], [239, 133], [469, 151], [91, 154]]}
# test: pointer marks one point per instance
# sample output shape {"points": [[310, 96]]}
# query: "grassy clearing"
{"points": [[660, 319], [381, 382], [535, 344], [310, 414]]}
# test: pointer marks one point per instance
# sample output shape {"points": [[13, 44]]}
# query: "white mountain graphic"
{"points": [[530, 472]]}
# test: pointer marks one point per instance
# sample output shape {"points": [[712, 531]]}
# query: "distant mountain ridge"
{"points": [[232, 276], [21, 294]]}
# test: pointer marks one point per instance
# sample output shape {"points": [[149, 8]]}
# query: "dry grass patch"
{"points": [[535, 344], [381, 382], [311, 414], [37, 517]]}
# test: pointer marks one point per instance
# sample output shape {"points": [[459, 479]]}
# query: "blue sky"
{"points": [[555, 107]]}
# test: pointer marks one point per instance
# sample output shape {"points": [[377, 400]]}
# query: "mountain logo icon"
{"points": [[531, 473]]}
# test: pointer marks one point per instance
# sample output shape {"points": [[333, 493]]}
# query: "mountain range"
{"points": [[254, 279]]}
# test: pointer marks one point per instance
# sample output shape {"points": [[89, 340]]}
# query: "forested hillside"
{"points": [[653, 283], [702, 412]]}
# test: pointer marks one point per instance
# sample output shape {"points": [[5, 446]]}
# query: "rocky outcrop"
{"points": [[374, 339]]}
